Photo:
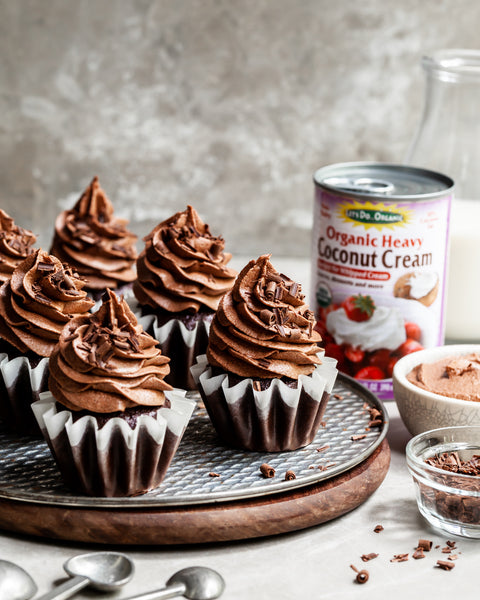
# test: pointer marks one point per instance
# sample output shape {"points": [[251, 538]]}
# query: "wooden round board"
{"points": [[218, 522]]}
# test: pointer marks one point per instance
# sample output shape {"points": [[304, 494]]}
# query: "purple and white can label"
{"points": [[379, 253]]}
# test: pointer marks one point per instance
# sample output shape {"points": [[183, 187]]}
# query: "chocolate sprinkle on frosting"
{"points": [[263, 328], [183, 267], [110, 365], [40, 298], [16, 244]]}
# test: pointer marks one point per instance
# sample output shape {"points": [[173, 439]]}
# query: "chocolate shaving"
{"points": [[45, 267], [323, 448], [212, 474], [425, 545], [446, 565], [290, 475], [400, 557], [357, 437], [362, 576], [378, 528], [257, 386], [418, 553], [267, 471], [450, 461], [367, 557]]}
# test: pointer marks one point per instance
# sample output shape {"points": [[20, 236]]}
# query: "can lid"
{"points": [[383, 180]]}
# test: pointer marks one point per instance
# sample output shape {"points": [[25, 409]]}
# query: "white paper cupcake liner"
{"points": [[272, 420], [180, 344], [21, 385], [114, 460]]}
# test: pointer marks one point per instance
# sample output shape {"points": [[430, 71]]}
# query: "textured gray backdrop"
{"points": [[227, 105]]}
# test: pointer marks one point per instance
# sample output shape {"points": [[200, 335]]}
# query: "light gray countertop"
{"points": [[313, 563]]}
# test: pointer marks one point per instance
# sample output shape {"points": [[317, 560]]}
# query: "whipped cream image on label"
{"points": [[422, 283], [385, 329], [379, 245]]}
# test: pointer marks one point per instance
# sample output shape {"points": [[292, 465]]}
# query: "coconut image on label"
{"points": [[380, 238]]}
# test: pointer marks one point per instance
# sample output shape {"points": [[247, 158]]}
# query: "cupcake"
{"points": [[182, 274], [16, 244], [95, 243], [111, 421], [38, 300], [263, 381]]}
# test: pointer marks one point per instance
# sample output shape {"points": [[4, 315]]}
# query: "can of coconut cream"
{"points": [[379, 258]]}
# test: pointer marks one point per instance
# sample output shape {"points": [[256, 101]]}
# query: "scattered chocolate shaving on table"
{"points": [[446, 550], [418, 553], [446, 565], [451, 544], [367, 557], [267, 471], [453, 557], [338, 396], [400, 557], [378, 528], [323, 448], [323, 423], [214, 474], [425, 545], [290, 475], [357, 437], [362, 576]]}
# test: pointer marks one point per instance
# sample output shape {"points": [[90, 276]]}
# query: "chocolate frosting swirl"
{"points": [[15, 245], [183, 266], [104, 362], [263, 328], [97, 244], [41, 296]]}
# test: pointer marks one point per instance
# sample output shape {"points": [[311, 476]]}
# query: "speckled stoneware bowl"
{"points": [[422, 410]]}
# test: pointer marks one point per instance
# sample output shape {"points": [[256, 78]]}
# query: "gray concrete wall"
{"points": [[227, 105]]}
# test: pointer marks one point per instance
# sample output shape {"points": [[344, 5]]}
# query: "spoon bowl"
{"points": [[106, 571], [201, 583], [194, 583], [103, 571], [15, 583]]}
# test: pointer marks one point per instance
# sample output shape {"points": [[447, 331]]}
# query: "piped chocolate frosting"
{"points": [[38, 300], [96, 243], [16, 244], [183, 267], [263, 328], [105, 362]]}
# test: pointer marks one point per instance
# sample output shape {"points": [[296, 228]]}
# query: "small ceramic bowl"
{"points": [[448, 500], [422, 410]]}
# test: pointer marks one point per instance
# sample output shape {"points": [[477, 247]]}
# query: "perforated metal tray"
{"points": [[29, 473]]}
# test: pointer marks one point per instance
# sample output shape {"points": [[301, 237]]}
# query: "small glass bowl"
{"points": [[449, 501]]}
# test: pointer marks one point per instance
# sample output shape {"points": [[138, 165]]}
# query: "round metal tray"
{"points": [[205, 471]]}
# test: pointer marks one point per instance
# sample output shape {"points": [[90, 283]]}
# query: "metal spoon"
{"points": [[15, 583], [104, 571], [195, 583]]}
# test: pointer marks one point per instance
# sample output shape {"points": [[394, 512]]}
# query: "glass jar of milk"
{"points": [[448, 140]]}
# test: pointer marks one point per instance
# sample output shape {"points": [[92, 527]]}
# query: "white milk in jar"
{"points": [[463, 291], [380, 241]]}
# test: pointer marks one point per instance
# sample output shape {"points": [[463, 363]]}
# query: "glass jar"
{"points": [[448, 140]]}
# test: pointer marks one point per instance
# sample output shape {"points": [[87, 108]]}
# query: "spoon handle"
{"points": [[67, 589], [171, 591]]}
